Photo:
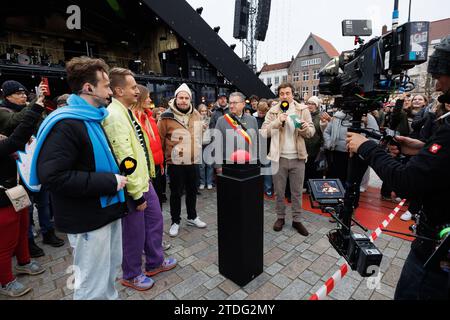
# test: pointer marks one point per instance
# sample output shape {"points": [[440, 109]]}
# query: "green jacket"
{"points": [[125, 143], [9, 120]]}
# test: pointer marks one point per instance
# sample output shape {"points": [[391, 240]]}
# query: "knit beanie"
{"points": [[314, 100], [184, 88]]}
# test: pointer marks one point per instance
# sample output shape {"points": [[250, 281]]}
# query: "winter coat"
{"points": [[10, 116], [418, 122], [217, 113], [16, 142], [273, 128], [335, 134], [314, 143], [66, 165], [228, 132], [180, 133], [125, 143], [149, 125]]}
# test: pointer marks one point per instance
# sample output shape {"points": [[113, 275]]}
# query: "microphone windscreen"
{"points": [[128, 166]]}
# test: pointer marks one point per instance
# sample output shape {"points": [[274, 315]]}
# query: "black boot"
{"points": [[51, 239], [35, 251]]}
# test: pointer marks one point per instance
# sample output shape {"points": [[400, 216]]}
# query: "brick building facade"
{"points": [[304, 70]]}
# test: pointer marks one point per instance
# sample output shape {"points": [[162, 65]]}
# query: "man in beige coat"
{"points": [[288, 129]]}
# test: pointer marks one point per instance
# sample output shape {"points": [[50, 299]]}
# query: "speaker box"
{"points": [[262, 20], [240, 223], [241, 17]]}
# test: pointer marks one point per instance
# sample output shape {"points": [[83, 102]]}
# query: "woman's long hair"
{"points": [[140, 105]]}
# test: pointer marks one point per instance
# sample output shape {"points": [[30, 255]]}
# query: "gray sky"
{"points": [[291, 21]]}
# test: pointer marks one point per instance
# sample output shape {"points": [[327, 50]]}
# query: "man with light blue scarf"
{"points": [[73, 158]]}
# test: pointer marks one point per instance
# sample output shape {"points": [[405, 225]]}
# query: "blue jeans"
{"points": [[42, 200], [206, 174], [97, 258], [416, 283], [267, 180]]}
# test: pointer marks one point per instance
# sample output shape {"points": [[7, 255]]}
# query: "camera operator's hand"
{"points": [[282, 117], [408, 146], [354, 141]]}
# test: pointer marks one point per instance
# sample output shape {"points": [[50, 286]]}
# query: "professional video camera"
{"points": [[360, 80], [371, 72]]}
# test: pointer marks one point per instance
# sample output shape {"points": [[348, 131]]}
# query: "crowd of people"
{"points": [[112, 216]]}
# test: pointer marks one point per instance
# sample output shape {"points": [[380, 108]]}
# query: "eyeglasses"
{"points": [[234, 102]]}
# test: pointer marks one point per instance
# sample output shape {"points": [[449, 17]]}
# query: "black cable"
{"points": [[409, 235]]}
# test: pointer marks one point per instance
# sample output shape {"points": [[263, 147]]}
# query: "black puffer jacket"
{"points": [[66, 166]]}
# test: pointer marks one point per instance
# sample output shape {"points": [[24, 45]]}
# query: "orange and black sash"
{"points": [[241, 132]]}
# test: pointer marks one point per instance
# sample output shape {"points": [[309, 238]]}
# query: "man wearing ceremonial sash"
{"points": [[239, 130]]}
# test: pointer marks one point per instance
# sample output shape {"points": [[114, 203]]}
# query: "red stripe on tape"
{"points": [[330, 285], [374, 236], [344, 269]]}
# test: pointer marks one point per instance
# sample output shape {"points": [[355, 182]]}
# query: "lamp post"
{"points": [[409, 11]]}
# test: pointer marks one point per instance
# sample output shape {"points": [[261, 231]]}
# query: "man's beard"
{"points": [[102, 102]]}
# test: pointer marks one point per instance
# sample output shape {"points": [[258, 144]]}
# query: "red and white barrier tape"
{"points": [[375, 234], [331, 283]]}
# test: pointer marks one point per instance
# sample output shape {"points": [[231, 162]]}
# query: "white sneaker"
{"points": [[196, 223], [173, 232], [209, 186], [406, 216], [202, 187]]}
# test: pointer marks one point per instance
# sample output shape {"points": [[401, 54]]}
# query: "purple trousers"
{"points": [[142, 231]]}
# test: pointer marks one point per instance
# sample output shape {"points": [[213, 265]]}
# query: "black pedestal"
{"points": [[240, 222]]}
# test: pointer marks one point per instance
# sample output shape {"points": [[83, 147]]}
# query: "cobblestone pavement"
{"points": [[294, 266]]}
